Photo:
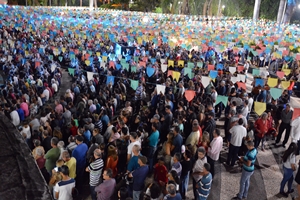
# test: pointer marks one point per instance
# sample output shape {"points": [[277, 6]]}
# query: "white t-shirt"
{"points": [[47, 94], [15, 119], [290, 160], [214, 96], [250, 103], [65, 189], [54, 86], [238, 132], [198, 167], [129, 148], [27, 132]]}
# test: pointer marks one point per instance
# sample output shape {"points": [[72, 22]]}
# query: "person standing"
{"points": [[261, 129], [198, 169], [187, 166], [295, 132], [166, 124], [65, 187], [106, 189], [286, 117], [95, 170], [153, 141], [79, 153], [52, 155], [214, 150], [204, 185], [139, 176], [70, 162], [289, 166], [248, 168], [238, 132]]}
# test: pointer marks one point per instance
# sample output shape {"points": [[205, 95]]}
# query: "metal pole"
{"points": [[283, 12], [219, 6]]}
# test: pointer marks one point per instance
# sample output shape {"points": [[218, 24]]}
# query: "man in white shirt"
{"points": [[46, 94], [15, 119], [214, 150], [295, 130], [245, 109], [214, 95], [64, 188], [238, 132], [134, 141], [250, 102]]}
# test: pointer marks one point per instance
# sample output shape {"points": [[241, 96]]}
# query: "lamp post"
{"points": [[179, 5]]}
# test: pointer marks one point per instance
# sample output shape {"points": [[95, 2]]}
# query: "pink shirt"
{"points": [[24, 107], [215, 148]]}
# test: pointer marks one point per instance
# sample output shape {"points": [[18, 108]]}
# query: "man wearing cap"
{"points": [[139, 176]]}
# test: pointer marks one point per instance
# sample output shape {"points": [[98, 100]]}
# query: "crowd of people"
{"points": [[137, 142]]}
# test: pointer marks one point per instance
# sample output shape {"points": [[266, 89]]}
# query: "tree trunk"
{"points": [[185, 8], [204, 8], [95, 4], [290, 8], [91, 4], [280, 10], [256, 10], [208, 9], [80, 3]]}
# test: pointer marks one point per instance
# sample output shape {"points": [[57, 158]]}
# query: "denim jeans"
{"points": [[93, 193], [136, 195], [151, 158], [244, 184], [184, 184], [258, 140], [287, 177]]}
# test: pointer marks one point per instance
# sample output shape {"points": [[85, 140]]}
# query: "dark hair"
{"points": [[291, 150], [217, 131], [155, 125], [114, 129], [168, 107], [207, 166], [65, 170], [177, 129], [54, 141], [155, 191], [241, 121], [188, 153], [177, 156], [123, 193], [175, 176], [134, 135]]}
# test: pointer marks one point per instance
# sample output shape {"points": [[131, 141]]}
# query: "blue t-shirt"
{"points": [[87, 137], [204, 186], [153, 139], [133, 163], [21, 114], [250, 155], [79, 153], [177, 142], [139, 176]]}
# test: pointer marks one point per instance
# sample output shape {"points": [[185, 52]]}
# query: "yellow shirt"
{"points": [[72, 167]]}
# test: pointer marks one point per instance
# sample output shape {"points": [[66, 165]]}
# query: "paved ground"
{"points": [[265, 181]]}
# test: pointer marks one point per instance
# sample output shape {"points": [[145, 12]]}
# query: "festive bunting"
{"points": [[205, 81], [71, 71], [160, 89], [232, 70], [285, 84], [255, 72], [275, 92], [134, 84], [222, 99], [213, 74], [90, 76], [259, 82], [272, 82], [164, 68], [110, 80], [259, 108], [280, 74], [171, 63], [286, 71], [210, 67], [180, 63], [241, 85], [150, 71], [189, 95]]}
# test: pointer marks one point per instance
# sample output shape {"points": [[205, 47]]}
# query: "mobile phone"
{"points": [[56, 169]]}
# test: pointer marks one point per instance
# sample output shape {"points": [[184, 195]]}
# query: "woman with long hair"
{"points": [[289, 166], [112, 160]]}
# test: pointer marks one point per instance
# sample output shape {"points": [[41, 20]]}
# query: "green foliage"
{"points": [[158, 10]]}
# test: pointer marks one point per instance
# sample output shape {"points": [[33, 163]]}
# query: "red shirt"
{"points": [[73, 130], [160, 173], [262, 126]]}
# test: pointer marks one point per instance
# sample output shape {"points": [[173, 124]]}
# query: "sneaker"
{"points": [[236, 198], [263, 149]]}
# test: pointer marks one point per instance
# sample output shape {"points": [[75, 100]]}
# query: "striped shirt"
{"points": [[99, 125], [204, 186], [95, 171]]}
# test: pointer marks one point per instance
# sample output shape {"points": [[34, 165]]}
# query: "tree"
{"points": [[256, 10], [280, 10], [290, 8]]}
